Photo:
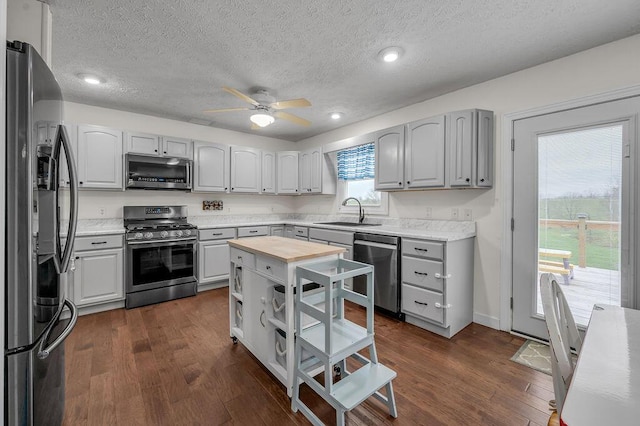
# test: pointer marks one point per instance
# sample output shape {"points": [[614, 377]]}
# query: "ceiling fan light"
{"points": [[262, 120]]}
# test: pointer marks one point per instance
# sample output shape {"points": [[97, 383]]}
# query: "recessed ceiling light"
{"points": [[262, 120], [390, 54], [336, 115], [91, 79]]}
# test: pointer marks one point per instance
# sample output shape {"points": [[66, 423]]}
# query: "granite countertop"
{"points": [[439, 230], [285, 249]]}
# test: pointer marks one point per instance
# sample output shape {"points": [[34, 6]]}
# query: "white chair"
{"points": [[563, 335]]}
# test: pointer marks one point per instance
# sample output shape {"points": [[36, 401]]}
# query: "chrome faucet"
{"points": [[360, 210]]}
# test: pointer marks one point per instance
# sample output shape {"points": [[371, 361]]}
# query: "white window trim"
{"points": [[341, 194]]}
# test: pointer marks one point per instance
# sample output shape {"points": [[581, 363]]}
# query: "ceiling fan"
{"points": [[266, 108]]}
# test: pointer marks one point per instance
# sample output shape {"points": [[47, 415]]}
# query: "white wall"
{"points": [[90, 202], [608, 67], [30, 22]]}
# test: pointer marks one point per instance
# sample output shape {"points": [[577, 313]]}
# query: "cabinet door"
{"points": [[390, 158], [143, 143], [424, 153], [177, 147], [289, 232], [484, 167], [460, 141], [98, 277], [315, 170], [304, 172], [257, 328], [245, 169], [45, 132], [213, 261], [210, 167], [277, 231], [268, 172], [99, 157], [287, 166]]}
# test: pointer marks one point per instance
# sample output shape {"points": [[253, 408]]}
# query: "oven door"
{"points": [[159, 264]]}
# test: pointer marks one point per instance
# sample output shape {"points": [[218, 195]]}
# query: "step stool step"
{"points": [[361, 384]]}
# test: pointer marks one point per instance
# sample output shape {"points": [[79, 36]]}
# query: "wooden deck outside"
{"points": [[589, 286]]}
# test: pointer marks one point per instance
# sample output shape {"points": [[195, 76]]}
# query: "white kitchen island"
{"points": [[258, 266]]}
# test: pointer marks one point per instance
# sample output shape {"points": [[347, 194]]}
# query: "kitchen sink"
{"points": [[348, 224]]}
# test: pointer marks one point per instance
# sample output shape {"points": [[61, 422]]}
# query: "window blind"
{"points": [[357, 163]]}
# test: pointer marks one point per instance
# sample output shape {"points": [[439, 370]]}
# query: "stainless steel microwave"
{"points": [[150, 172]]}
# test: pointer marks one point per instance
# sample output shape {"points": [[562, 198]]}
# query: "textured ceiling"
{"points": [[171, 58]]}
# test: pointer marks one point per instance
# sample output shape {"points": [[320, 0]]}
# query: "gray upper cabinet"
{"points": [[287, 166], [389, 158], [460, 141], [245, 169], [176, 147], [149, 144], [268, 172], [470, 142], [484, 164], [99, 157], [211, 167], [310, 171], [143, 143], [424, 165]]}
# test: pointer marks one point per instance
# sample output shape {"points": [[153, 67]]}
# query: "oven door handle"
{"points": [[162, 243]]}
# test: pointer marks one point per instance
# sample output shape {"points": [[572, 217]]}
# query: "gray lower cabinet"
{"points": [[332, 237], [98, 270], [213, 255], [437, 284]]}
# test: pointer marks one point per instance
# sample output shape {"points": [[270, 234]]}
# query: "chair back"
{"points": [[563, 335]]}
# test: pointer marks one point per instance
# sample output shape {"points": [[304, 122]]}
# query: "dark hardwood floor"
{"points": [[174, 364]]}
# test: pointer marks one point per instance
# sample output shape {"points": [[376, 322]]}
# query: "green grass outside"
{"points": [[602, 246]]}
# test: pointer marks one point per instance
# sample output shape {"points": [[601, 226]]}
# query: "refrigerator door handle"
{"points": [[62, 138], [44, 352]]}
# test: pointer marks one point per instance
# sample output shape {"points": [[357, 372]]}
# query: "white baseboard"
{"points": [[486, 320]]}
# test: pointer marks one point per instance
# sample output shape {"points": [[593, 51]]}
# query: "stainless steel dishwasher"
{"points": [[383, 252]]}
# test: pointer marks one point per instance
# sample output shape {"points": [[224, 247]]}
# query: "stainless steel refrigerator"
{"points": [[36, 260]]}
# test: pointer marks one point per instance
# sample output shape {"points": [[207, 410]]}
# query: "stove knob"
{"points": [[138, 235], [186, 232], [178, 233], [148, 235], [164, 234]]}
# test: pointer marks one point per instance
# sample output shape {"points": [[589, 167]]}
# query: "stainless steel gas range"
{"points": [[161, 257]]}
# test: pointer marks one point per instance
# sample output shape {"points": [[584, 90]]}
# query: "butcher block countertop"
{"points": [[285, 249]]}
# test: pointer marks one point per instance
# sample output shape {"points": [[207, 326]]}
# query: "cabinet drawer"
{"points": [[253, 231], [431, 249], [271, 267], [97, 242], [242, 258], [422, 302], [300, 231], [422, 272], [340, 237], [217, 234]]}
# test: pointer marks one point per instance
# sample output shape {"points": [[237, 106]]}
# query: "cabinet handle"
{"points": [[467, 179], [217, 234], [263, 189], [81, 182], [482, 180], [268, 267], [400, 183], [252, 232], [420, 273], [420, 249], [444, 277], [232, 188], [226, 188], [155, 150], [262, 314], [421, 303], [239, 257], [165, 152], [408, 182], [441, 306], [77, 257], [98, 242]]}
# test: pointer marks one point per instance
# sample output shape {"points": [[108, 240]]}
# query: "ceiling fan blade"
{"points": [[291, 103], [294, 118], [226, 109], [240, 95]]}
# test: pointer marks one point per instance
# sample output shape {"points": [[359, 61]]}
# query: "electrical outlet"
{"points": [[454, 214], [101, 211], [427, 213], [468, 214]]}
